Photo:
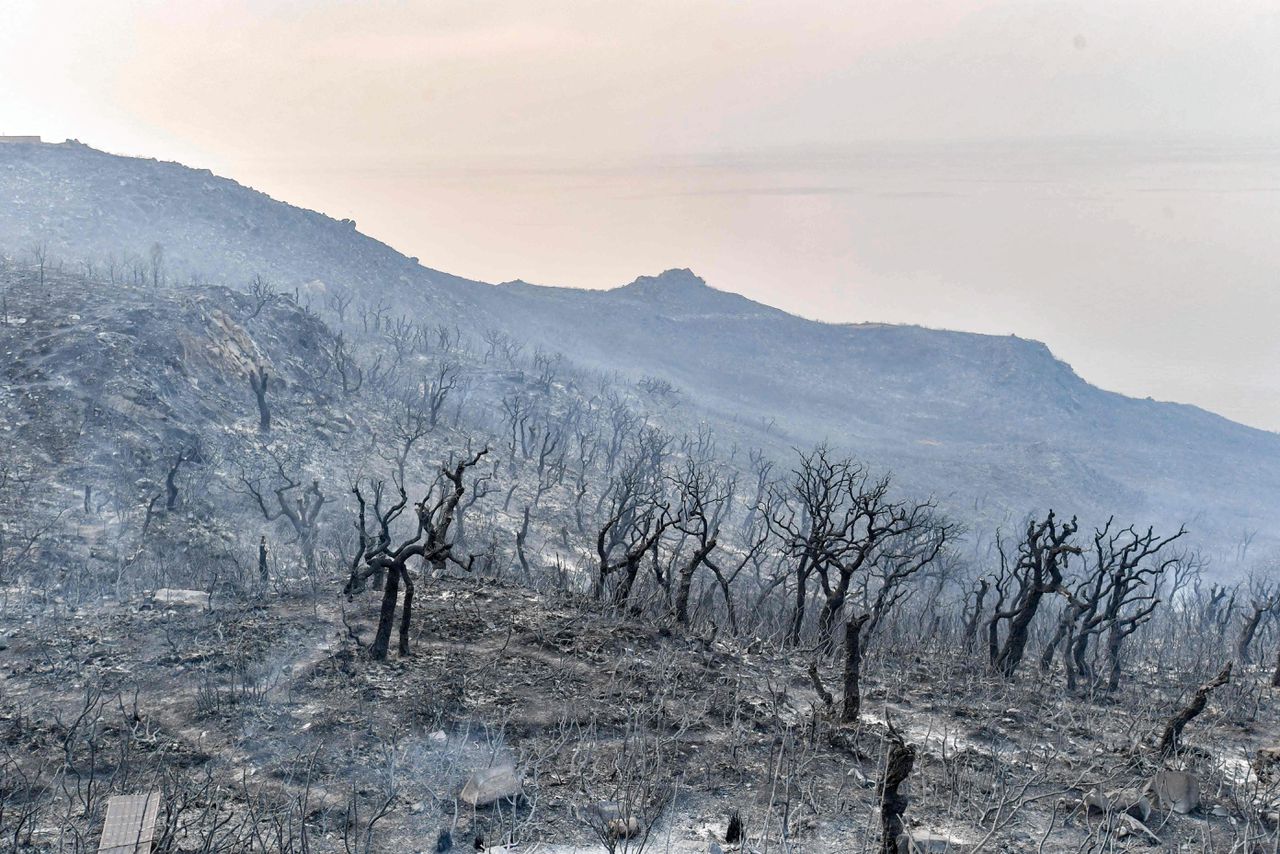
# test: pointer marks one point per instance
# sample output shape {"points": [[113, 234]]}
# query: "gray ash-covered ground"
{"points": [[259, 708]]}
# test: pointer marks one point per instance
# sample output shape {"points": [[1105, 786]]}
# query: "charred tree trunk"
{"points": [[307, 541], [684, 583], [521, 536], [1015, 643], [797, 615], [630, 570], [993, 639], [406, 613], [185, 455], [1247, 633], [1077, 662], [386, 616], [171, 485], [1115, 636], [853, 668], [258, 382], [893, 803], [1173, 730], [1275, 677], [832, 606], [262, 559], [972, 620], [1059, 635], [151, 512]]}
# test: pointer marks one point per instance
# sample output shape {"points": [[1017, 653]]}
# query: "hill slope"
{"points": [[995, 426]]}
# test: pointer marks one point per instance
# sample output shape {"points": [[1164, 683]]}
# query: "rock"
{"points": [[1139, 808], [612, 819], [176, 597], [499, 783], [1130, 802], [928, 842], [1175, 790], [1097, 802], [1266, 763], [624, 828], [601, 813]]}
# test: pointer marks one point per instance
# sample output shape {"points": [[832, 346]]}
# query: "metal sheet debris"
{"points": [[130, 824]]}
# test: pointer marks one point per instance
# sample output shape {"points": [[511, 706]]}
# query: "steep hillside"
{"points": [[995, 426]]}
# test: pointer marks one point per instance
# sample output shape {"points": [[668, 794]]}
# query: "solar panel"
{"points": [[130, 824]]}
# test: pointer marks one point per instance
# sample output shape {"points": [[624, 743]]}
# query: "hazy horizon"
{"points": [[1105, 180]]}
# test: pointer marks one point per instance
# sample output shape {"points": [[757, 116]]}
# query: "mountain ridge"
{"points": [[972, 416]]}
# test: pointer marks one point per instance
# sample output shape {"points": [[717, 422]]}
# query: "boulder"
{"points": [[499, 783], [1175, 790]]}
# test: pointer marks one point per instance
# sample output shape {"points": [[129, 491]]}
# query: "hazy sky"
{"points": [[1103, 176]]}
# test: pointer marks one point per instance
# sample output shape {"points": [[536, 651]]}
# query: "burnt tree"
{"points": [[186, 455], [886, 585], [1025, 578], [1170, 738], [258, 379], [637, 517], [834, 520], [972, 613], [1119, 593], [344, 365], [430, 542], [703, 497], [893, 804], [1264, 600], [299, 505], [436, 389]]}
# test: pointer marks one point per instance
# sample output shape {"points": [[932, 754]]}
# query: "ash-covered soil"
{"points": [[259, 717]]}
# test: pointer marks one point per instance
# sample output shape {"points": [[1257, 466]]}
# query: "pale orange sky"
{"points": [[822, 157]]}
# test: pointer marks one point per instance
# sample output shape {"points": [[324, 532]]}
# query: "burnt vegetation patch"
{"points": [[333, 577]]}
